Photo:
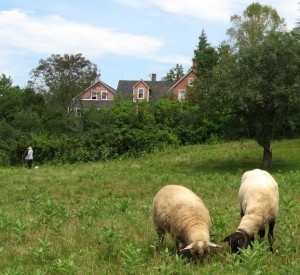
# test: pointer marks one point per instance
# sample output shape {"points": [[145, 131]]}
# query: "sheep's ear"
{"points": [[189, 247], [213, 245]]}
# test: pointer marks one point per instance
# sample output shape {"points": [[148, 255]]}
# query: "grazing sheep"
{"points": [[182, 213], [259, 198]]}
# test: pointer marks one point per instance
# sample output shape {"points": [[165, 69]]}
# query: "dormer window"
{"points": [[190, 81], [104, 95], [94, 95]]}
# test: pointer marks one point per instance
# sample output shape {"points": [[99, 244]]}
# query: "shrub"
{"points": [[4, 159]]}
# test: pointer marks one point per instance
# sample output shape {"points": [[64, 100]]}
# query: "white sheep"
{"points": [[259, 198], [182, 213]]}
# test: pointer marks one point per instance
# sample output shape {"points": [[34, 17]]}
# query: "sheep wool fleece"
{"points": [[181, 212], [258, 196]]}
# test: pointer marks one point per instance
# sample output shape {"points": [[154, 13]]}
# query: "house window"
{"points": [[190, 81], [181, 95], [141, 93], [94, 95], [104, 95]]}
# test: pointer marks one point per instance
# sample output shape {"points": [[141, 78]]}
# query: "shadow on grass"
{"points": [[235, 166]]}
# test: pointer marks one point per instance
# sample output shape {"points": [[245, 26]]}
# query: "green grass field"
{"points": [[95, 218]]}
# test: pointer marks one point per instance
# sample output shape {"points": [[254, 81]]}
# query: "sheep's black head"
{"points": [[238, 239], [200, 248]]}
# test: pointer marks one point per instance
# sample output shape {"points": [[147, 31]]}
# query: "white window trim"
{"points": [[190, 81], [138, 93], [179, 93], [106, 98], [94, 92]]}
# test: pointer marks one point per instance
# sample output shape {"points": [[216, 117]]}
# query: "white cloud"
{"points": [[134, 3], [216, 10], [26, 37], [211, 10], [21, 33]]}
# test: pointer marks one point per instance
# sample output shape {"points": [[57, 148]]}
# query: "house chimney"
{"points": [[195, 64], [153, 77]]}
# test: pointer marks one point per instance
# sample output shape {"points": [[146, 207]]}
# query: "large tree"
{"points": [[63, 77], [272, 75], [254, 24], [257, 80], [261, 84]]}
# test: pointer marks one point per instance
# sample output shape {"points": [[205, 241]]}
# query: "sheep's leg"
{"points": [[242, 213], [251, 241], [261, 233], [161, 235], [178, 245], [270, 234]]}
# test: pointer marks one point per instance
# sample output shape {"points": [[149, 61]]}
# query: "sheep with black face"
{"points": [[259, 199], [182, 213]]}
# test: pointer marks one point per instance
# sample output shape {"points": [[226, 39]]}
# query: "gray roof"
{"points": [[94, 84], [157, 88], [104, 84]]}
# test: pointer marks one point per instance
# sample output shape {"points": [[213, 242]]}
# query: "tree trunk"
{"points": [[267, 156]]}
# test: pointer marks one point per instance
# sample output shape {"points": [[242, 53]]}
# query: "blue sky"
{"points": [[126, 39]]}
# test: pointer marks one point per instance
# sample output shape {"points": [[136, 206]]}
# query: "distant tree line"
{"points": [[248, 88], [122, 129]]}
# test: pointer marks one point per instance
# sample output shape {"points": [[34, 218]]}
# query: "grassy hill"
{"points": [[95, 218]]}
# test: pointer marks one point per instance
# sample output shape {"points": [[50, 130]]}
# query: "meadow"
{"points": [[95, 218]]}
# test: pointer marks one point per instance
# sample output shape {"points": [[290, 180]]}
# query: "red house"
{"points": [[98, 95], [180, 88], [101, 95]]}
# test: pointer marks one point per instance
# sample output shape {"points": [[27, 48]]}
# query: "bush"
{"points": [[4, 159]]}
